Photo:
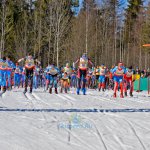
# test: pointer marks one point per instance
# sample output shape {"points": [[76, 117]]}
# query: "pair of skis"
{"points": [[25, 92]]}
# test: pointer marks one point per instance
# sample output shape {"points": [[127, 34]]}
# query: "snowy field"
{"points": [[96, 121]]}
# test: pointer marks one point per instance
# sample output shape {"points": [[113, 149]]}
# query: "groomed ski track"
{"points": [[31, 121]]}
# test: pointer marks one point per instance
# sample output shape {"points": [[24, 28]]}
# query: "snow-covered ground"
{"points": [[96, 121]]}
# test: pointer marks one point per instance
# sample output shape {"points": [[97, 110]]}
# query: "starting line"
{"points": [[74, 110]]}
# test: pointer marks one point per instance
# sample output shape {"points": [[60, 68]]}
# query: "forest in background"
{"points": [[54, 32]]}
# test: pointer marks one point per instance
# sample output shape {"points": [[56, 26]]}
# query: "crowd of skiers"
{"points": [[82, 75]]}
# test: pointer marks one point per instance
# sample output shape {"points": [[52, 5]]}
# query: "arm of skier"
{"points": [[20, 60], [90, 62], [76, 62]]}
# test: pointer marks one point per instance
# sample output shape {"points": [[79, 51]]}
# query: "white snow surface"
{"points": [[40, 130]]}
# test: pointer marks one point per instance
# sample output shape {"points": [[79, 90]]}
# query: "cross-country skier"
{"points": [[10, 68], [3, 73], [67, 69], [73, 79], [102, 73], [82, 72], [29, 68], [118, 73], [53, 72], [64, 82], [128, 79], [17, 75]]}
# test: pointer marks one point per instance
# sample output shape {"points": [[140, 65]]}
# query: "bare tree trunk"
{"points": [[54, 48], [96, 38], [86, 32], [25, 36], [120, 45], [115, 42], [2, 44], [140, 57], [49, 41], [39, 34], [128, 54], [128, 49], [49, 45], [106, 43], [57, 48], [123, 49], [35, 28], [57, 39]]}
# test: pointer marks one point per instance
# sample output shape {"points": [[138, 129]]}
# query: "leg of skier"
{"points": [[115, 88]]}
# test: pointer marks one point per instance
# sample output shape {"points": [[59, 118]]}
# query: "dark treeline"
{"points": [[52, 31]]}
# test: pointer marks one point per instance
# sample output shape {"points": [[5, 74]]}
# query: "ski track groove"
{"points": [[141, 126], [100, 136], [132, 128], [115, 137], [79, 139], [116, 102], [70, 98], [119, 142], [69, 131], [135, 133], [58, 95], [37, 100], [126, 98], [100, 98], [97, 131], [42, 129], [69, 101], [31, 99], [42, 113]]}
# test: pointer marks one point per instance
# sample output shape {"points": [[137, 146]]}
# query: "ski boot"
{"points": [[65, 90], [84, 90], [78, 91], [99, 89], [25, 91], [125, 93], [50, 90], [56, 91], [31, 90], [114, 95], [121, 95], [131, 94]]}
